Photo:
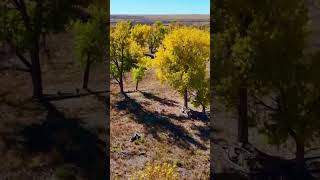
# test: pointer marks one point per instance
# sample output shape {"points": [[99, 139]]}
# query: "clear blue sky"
{"points": [[160, 6]]}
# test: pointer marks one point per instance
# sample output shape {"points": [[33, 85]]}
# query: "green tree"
{"points": [[233, 58], [21, 25], [252, 53], [202, 94], [241, 34], [289, 78], [183, 59], [124, 52], [138, 73], [87, 46]]}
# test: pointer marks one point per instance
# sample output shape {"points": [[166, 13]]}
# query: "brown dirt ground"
{"points": [[167, 135], [224, 123], [60, 138]]}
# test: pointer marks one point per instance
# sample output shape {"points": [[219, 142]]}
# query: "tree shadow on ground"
{"points": [[75, 144], [61, 96], [202, 131], [260, 165], [101, 98], [156, 122], [229, 176], [163, 101], [274, 167], [196, 115], [175, 117]]}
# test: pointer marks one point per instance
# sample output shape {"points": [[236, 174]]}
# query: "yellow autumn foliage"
{"points": [[162, 171], [183, 57]]}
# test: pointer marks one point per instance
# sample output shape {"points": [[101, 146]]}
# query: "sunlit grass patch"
{"points": [[154, 171]]}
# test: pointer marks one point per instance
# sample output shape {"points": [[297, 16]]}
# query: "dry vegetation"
{"points": [[167, 135], [62, 137]]}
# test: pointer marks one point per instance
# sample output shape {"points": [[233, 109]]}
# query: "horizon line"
{"points": [[160, 14]]}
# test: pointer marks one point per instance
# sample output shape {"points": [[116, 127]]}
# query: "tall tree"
{"points": [[289, 78], [263, 45], [233, 57], [183, 59], [87, 46], [124, 52], [23, 22], [240, 34]]}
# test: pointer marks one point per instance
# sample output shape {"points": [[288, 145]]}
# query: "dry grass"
{"points": [[167, 134], [35, 138]]}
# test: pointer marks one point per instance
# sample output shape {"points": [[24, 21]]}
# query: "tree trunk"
{"points": [[121, 85], [46, 49], [186, 98], [86, 73], [35, 72], [243, 116], [203, 109], [137, 85], [300, 156]]}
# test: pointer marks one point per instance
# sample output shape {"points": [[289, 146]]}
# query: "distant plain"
{"points": [[166, 19]]}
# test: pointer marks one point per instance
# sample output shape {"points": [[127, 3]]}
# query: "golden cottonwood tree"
{"points": [[149, 36], [140, 33], [124, 52], [183, 58]]}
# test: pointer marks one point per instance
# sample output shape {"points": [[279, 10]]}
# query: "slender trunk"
{"points": [[186, 98], [300, 156], [121, 84], [86, 73], [203, 110], [35, 72], [137, 85], [46, 49], [243, 116]]}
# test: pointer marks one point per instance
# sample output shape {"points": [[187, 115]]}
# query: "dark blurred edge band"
{"points": [[212, 2], [105, 6]]}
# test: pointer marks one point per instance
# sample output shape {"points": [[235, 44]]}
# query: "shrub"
{"points": [[154, 172]]}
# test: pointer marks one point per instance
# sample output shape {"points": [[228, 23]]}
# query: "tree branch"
{"points": [[21, 7], [19, 55], [260, 102], [23, 60]]}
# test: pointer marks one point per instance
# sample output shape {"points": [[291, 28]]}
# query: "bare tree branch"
{"points": [[19, 55], [260, 102]]}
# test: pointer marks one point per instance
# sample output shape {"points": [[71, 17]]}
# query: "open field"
{"points": [[166, 19]]}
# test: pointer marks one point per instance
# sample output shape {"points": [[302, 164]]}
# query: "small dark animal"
{"points": [[135, 137]]}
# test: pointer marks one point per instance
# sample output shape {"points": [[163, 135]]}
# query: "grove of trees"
{"points": [[179, 55]]}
